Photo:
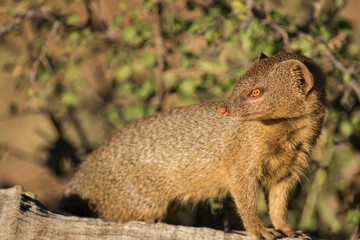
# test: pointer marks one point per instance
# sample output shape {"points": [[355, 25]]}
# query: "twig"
{"points": [[267, 21], [35, 65], [282, 32], [278, 29], [345, 95], [159, 47], [31, 13], [249, 14], [355, 87], [334, 60], [352, 85], [46, 64], [335, 12], [215, 23], [88, 11], [185, 72], [93, 13], [355, 234]]}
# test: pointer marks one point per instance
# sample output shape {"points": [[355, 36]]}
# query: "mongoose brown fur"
{"points": [[260, 136]]}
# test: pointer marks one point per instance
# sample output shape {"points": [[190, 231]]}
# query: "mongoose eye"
{"points": [[255, 92]]}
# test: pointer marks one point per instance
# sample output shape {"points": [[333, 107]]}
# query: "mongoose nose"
{"points": [[223, 111]]}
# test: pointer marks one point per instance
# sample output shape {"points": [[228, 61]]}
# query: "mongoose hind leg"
{"points": [[141, 210]]}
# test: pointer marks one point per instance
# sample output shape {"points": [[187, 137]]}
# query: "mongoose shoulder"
{"points": [[260, 136]]}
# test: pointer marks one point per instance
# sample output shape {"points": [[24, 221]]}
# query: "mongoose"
{"points": [[260, 136]]}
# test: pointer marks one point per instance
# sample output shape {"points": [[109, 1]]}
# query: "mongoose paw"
{"points": [[270, 234]]}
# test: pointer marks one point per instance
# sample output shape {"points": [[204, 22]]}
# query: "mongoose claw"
{"points": [[271, 234], [288, 232], [299, 234]]}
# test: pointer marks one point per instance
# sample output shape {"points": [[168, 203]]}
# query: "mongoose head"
{"points": [[282, 86]]}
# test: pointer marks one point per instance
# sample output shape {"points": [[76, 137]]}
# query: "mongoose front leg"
{"points": [[277, 197], [245, 199]]}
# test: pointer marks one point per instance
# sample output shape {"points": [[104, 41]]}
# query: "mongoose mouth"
{"points": [[225, 111]]}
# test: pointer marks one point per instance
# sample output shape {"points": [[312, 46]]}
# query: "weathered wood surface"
{"points": [[24, 217]]}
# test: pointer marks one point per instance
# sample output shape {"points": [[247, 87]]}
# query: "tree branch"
{"points": [[22, 216]]}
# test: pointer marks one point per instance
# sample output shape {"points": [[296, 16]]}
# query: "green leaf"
{"points": [[133, 112], [137, 66], [116, 19], [213, 67], [187, 101], [246, 41], [211, 35], [123, 72], [72, 20], [169, 80], [238, 6], [48, 90], [149, 4], [149, 59], [150, 110], [354, 49], [229, 26], [185, 61], [114, 118], [145, 31], [346, 78], [195, 27], [305, 45], [69, 98], [42, 75], [188, 86], [145, 90], [72, 73], [122, 5], [222, 66], [75, 37], [355, 119], [341, 186], [353, 216], [207, 66], [346, 128], [30, 92], [216, 90], [11, 11], [126, 88], [128, 34], [60, 8], [324, 32]]}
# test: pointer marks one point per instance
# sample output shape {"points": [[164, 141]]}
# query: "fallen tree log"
{"points": [[22, 216]]}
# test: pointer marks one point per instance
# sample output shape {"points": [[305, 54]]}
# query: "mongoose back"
{"points": [[260, 136]]}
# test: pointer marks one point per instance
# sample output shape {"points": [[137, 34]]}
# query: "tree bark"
{"points": [[22, 216]]}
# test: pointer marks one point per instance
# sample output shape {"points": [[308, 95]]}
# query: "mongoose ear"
{"points": [[300, 74], [261, 55]]}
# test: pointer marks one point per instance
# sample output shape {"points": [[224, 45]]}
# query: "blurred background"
{"points": [[72, 72]]}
